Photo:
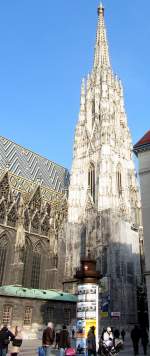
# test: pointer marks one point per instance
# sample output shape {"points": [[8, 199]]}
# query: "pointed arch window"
{"points": [[27, 260], [83, 243], [3, 254], [36, 267], [93, 106], [91, 180], [119, 181], [93, 112]]}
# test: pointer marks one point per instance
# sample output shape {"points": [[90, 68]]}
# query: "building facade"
{"points": [[104, 210], [33, 212], [142, 150], [32, 309]]}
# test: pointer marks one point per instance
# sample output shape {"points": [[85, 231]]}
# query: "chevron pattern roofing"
{"points": [[32, 166]]}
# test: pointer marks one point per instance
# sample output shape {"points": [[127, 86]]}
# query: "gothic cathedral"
{"points": [[104, 217]]}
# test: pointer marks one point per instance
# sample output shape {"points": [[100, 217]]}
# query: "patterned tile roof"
{"points": [[31, 166]]}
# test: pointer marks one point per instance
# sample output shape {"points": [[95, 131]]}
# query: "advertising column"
{"points": [[87, 304]]}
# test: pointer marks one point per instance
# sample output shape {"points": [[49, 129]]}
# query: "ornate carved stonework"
{"points": [[104, 201]]}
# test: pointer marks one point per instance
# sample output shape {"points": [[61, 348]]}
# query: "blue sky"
{"points": [[46, 47]]}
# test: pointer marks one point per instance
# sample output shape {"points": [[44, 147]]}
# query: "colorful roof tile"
{"points": [[31, 166]]}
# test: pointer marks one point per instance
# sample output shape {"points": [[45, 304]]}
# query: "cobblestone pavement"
{"points": [[30, 347]]}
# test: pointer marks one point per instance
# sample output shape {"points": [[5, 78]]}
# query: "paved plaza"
{"points": [[30, 348]]}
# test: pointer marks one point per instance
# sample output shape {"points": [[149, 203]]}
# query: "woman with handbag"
{"points": [[17, 342]]}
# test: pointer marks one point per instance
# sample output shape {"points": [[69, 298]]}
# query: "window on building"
{"points": [[36, 266], [3, 252], [7, 314], [83, 243], [119, 182], [93, 107], [91, 180], [67, 316], [118, 264], [27, 316], [27, 261], [49, 314]]}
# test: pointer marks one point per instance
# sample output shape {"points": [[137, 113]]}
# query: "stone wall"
{"points": [[42, 312]]}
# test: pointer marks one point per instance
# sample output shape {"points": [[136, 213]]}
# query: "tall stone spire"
{"points": [[101, 49], [103, 204]]}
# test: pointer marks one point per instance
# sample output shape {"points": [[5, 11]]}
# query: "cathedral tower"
{"points": [[104, 204]]}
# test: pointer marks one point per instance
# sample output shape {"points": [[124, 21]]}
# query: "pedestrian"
{"points": [[108, 337], [73, 333], [48, 338], [123, 333], [144, 340], [116, 334], [17, 342], [5, 337], [64, 341], [57, 337], [135, 336], [91, 342], [101, 341]]}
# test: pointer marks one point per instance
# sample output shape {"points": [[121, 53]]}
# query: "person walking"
{"points": [[123, 333], [5, 337], [64, 340], [108, 337], [135, 336], [17, 342], [48, 338], [91, 342], [144, 340], [116, 334], [57, 336]]}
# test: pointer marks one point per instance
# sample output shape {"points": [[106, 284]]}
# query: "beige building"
{"points": [[142, 150]]}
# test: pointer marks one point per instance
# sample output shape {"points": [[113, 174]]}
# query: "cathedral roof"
{"points": [[29, 165], [143, 143]]}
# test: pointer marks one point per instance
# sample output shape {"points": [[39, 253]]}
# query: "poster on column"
{"points": [[87, 314]]}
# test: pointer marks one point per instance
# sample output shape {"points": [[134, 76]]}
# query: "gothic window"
{"points": [[12, 217], [91, 180], [27, 316], [2, 213], [3, 253], [104, 261], [83, 243], [130, 272], [93, 107], [117, 262], [7, 314], [119, 182], [36, 266], [27, 260], [93, 112]]}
